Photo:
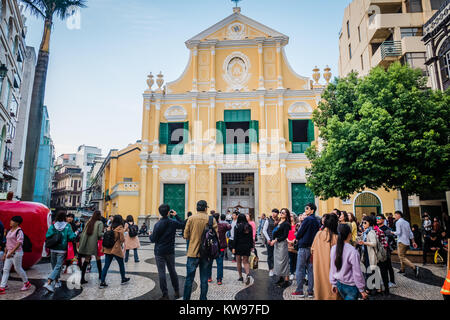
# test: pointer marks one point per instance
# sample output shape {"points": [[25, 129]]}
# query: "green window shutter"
{"points": [[254, 131], [164, 133], [291, 130], [237, 115], [186, 132], [310, 131], [220, 132]]}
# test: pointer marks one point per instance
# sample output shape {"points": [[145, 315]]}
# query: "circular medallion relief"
{"points": [[236, 71]]}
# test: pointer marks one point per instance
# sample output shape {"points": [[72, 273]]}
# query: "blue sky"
{"points": [[97, 73]]}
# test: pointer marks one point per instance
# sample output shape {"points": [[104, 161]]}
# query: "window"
{"points": [[411, 32], [444, 62], [237, 132], [415, 60], [348, 29], [173, 134], [413, 6], [350, 51], [127, 179], [301, 134], [362, 62], [436, 4], [359, 33]]}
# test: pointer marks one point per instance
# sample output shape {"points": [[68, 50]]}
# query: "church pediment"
{"points": [[236, 27]]}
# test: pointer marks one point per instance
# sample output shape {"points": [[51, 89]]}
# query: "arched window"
{"points": [[366, 203]]}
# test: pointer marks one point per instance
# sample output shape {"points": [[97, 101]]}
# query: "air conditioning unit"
{"points": [[8, 138], [12, 114]]}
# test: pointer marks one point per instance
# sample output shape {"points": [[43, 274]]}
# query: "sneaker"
{"points": [[291, 277], [233, 261], [125, 281], [2, 291], [247, 280], [58, 284], [26, 286], [164, 297], [417, 272], [298, 293], [49, 287], [271, 273], [401, 271], [103, 285], [209, 280], [392, 285], [177, 295], [311, 295], [83, 281], [219, 282], [136, 261]]}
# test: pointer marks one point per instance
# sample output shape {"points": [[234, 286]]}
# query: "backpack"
{"points": [[109, 239], [27, 245], [209, 246], [54, 240], [133, 230], [382, 246]]}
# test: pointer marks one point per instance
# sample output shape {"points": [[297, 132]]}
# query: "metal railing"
{"points": [[391, 49]]}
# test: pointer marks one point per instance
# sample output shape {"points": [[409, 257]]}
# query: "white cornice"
{"points": [[237, 95]]}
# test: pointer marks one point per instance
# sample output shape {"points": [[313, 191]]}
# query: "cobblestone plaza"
{"points": [[144, 283]]}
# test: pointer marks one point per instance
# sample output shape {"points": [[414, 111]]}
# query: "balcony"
{"points": [[379, 24], [125, 189], [388, 52]]}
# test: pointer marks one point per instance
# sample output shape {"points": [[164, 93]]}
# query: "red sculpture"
{"points": [[35, 225]]}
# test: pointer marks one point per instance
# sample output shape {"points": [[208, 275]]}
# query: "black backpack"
{"points": [[26, 246], [209, 246], [109, 239], [53, 241], [133, 230]]}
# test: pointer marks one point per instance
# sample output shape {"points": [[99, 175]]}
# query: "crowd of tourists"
{"points": [[326, 258]]}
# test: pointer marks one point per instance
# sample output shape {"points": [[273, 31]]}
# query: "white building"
{"points": [[85, 159], [15, 89]]}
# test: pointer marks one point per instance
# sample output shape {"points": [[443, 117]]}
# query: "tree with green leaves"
{"points": [[385, 130], [47, 10]]}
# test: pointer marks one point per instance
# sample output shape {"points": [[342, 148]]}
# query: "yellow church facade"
{"points": [[232, 130]]}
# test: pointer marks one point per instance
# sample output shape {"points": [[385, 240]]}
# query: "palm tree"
{"points": [[47, 10]]}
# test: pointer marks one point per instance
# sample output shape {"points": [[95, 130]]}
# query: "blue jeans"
{"points": [[219, 262], [108, 259], [347, 292], [191, 267], [303, 263], [127, 254], [57, 261]]}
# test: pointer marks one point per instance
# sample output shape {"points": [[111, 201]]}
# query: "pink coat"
{"points": [[131, 243]]}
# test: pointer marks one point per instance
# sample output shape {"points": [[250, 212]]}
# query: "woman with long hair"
{"points": [[243, 245], [131, 240], [92, 233], [354, 224], [115, 252], [293, 253], [323, 242], [369, 245], [345, 276], [281, 253]]}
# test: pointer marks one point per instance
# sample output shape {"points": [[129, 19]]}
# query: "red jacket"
{"points": [[222, 229]]}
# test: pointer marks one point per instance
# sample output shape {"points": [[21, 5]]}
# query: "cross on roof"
{"points": [[236, 1]]}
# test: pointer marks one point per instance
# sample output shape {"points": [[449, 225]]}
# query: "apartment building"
{"points": [[380, 32], [66, 189], [13, 53]]}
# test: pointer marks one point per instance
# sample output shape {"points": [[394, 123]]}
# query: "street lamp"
{"points": [[3, 71]]}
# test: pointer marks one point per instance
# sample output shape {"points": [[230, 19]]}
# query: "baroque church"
{"points": [[231, 130]]}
